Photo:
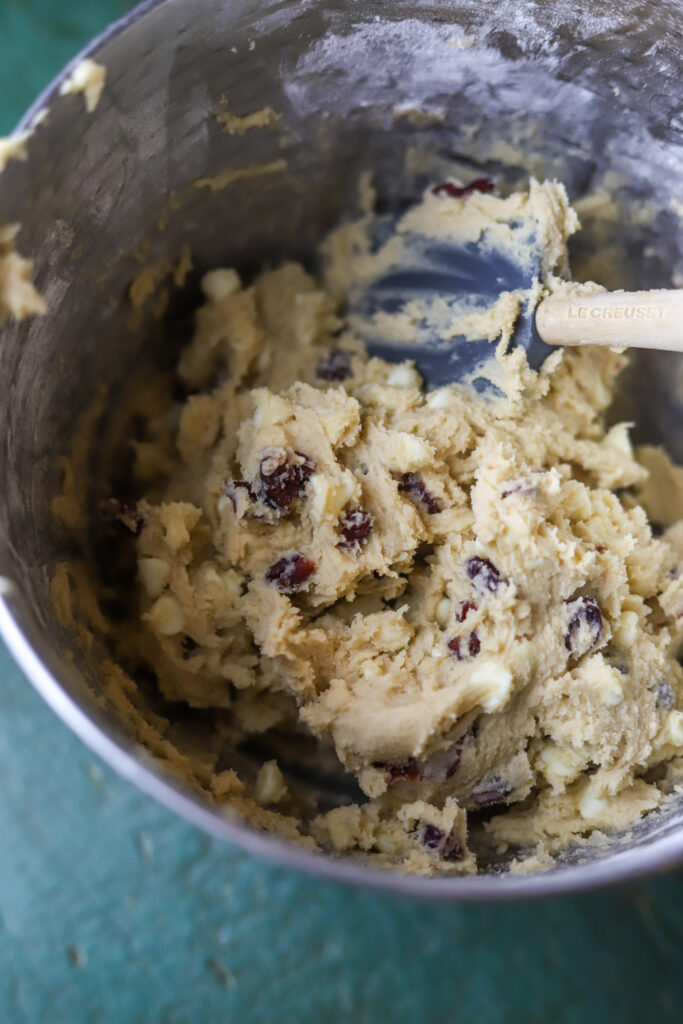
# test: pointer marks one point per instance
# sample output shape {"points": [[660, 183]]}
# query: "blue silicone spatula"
{"points": [[435, 276]]}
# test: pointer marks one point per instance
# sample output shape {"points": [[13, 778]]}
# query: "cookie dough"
{"points": [[18, 295], [14, 147], [460, 594], [89, 78]]}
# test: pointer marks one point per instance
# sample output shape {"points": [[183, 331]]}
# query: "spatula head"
{"points": [[432, 282]]}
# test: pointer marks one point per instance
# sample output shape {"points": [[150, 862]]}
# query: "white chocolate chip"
{"points": [[618, 440], [591, 807], [89, 78], [166, 616], [219, 586], [390, 839], [340, 822], [607, 685], [612, 695], [443, 612], [271, 409], [494, 683], [392, 632], [404, 376], [270, 785], [220, 284], [412, 452], [371, 669], [560, 765], [440, 399], [178, 519], [626, 630], [329, 496], [154, 574], [672, 730]]}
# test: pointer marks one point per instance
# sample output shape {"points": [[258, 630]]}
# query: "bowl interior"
{"points": [[406, 93]]}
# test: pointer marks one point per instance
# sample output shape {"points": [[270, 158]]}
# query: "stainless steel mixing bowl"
{"points": [[583, 88]]}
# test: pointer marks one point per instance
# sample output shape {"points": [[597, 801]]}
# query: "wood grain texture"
{"points": [[114, 912]]}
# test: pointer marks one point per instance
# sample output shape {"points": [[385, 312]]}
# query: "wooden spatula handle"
{"points": [[623, 319]]}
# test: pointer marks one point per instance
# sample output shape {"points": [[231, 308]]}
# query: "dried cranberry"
{"points": [[413, 484], [664, 695], [283, 478], [290, 572], [585, 626], [432, 836], [122, 513], [444, 765], [452, 850], [491, 791], [454, 762], [520, 488], [464, 647], [474, 644], [354, 528], [188, 645], [456, 647], [444, 843], [398, 771], [448, 188], [464, 608], [483, 573], [335, 366], [231, 489]]}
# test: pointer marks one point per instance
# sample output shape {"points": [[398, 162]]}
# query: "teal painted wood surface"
{"points": [[114, 912]]}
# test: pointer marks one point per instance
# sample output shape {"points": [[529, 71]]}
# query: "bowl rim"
{"points": [[133, 763]]}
